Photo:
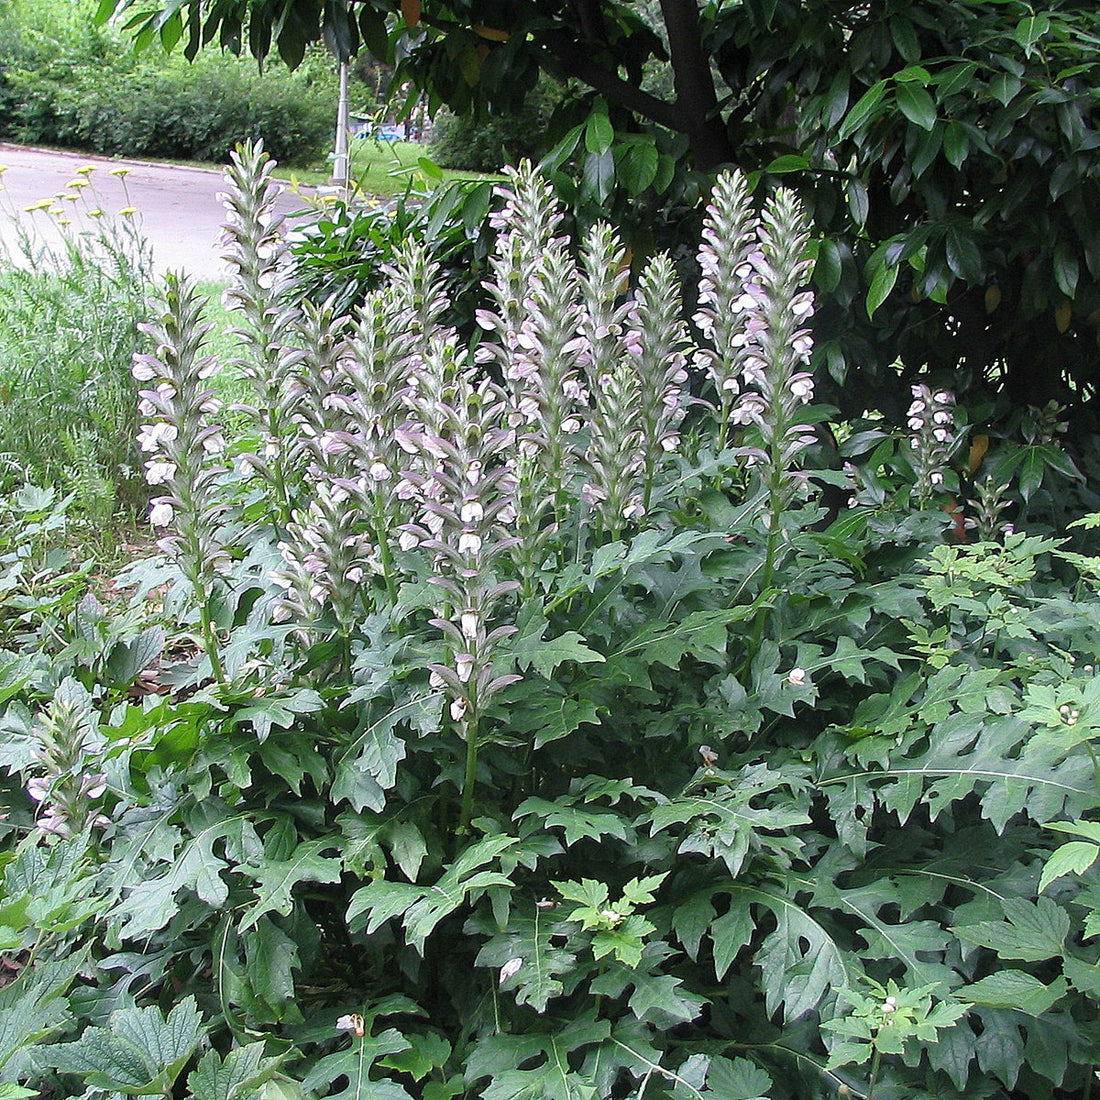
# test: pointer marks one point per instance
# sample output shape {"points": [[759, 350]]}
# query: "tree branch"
{"points": [[580, 64], [696, 98]]}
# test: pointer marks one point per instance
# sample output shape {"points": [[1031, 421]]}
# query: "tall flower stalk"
{"points": [[185, 448], [70, 785], [931, 419], [756, 310], [256, 253], [729, 239], [661, 365], [465, 506], [613, 457]]}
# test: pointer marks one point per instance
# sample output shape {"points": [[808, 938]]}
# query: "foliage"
{"points": [[487, 144], [71, 296], [346, 250], [947, 151], [520, 725], [72, 87]]}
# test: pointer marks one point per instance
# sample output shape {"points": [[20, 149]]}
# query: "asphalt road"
{"points": [[177, 209]]}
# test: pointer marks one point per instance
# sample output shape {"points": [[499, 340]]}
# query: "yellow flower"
{"points": [[126, 211], [77, 183], [95, 213], [85, 170], [121, 171]]}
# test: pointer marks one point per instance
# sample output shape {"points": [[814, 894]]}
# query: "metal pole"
{"points": [[340, 154]]}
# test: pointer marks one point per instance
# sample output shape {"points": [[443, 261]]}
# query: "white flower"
{"points": [[510, 969], [379, 471], [143, 371], [570, 425], [408, 540], [464, 666], [352, 1022], [797, 677], [469, 543], [802, 387], [472, 512], [151, 436], [160, 515], [458, 710], [470, 621], [354, 575], [158, 471]]}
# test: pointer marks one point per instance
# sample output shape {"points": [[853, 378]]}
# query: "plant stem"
{"points": [[876, 1063], [470, 778]]}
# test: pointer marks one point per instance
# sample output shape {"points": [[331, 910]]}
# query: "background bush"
{"points": [[64, 83], [487, 144], [68, 331]]}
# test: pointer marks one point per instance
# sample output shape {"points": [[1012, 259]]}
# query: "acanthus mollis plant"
{"points": [[186, 449], [548, 833]]}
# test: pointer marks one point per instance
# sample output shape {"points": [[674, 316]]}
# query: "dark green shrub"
{"points": [[64, 83], [487, 144]]}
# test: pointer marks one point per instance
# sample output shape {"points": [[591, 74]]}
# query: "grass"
{"points": [[383, 168]]}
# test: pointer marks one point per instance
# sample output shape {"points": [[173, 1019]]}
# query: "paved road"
{"points": [[177, 208]]}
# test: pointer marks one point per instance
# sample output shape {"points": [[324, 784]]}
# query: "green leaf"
{"points": [[423, 907], [737, 1079], [1030, 29], [862, 110], [140, 1053], [530, 651], [1031, 931], [963, 255], [1066, 269], [33, 1006], [1074, 858], [353, 1065], [916, 104], [524, 953], [550, 1055], [236, 1077], [150, 903], [791, 162], [638, 167], [956, 144], [599, 175], [827, 269], [276, 879], [278, 710], [367, 768], [578, 823], [881, 285], [1014, 989], [799, 960], [598, 133]]}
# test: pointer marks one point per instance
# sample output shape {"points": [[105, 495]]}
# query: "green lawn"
{"points": [[382, 168]]}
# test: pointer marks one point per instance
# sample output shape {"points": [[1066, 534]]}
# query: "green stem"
{"points": [[876, 1063], [470, 778], [209, 639], [767, 576], [384, 554]]}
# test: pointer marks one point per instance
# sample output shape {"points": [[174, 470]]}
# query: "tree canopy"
{"points": [[948, 149]]}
